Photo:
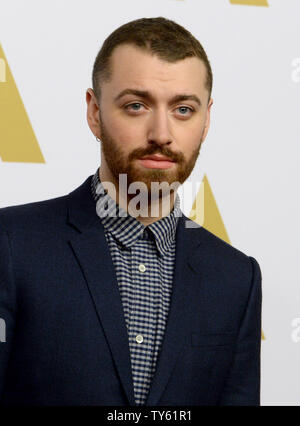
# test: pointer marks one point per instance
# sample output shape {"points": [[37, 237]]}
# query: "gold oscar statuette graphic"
{"points": [[18, 142], [251, 2], [205, 212]]}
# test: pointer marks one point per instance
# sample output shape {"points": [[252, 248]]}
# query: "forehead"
{"points": [[136, 68]]}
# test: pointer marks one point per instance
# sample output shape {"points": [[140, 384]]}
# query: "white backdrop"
{"points": [[251, 154]]}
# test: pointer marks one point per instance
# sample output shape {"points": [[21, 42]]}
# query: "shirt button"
{"points": [[139, 338], [142, 268]]}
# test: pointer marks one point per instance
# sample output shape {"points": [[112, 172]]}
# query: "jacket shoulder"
{"points": [[38, 215], [221, 262], [219, 255], [211, 241]]}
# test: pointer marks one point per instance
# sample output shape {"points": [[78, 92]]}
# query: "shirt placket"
{"points": [[140, 343]]}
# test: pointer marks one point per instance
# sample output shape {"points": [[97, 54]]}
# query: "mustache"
{"points": [[151, 150]]}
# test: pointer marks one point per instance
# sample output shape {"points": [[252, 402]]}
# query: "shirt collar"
{"points": [[126, 228]]}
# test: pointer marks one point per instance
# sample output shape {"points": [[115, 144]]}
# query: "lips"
{"points": [[156, 162], [157, 158]]}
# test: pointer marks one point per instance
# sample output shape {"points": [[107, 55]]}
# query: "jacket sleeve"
{"points": [[7, 305], [242, 386]]}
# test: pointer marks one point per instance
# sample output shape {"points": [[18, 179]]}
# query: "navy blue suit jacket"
{"points": [[66, 337]]}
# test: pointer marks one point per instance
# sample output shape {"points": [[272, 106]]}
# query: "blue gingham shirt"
{"points": [[143, 257]]}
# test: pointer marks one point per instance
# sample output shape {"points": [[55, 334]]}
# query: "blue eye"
{"points": [[183, 110], [135, 107]]}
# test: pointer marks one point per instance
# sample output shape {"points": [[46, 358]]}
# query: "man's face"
{"points": [[150, 107]]}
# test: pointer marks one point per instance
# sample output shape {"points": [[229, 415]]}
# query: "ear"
{"points": [[207, 120], [92, 114]]}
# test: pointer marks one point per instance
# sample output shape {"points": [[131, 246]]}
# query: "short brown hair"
{"points": [[167, 39]]}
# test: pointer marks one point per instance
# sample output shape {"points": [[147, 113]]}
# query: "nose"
{"points": [[159, 130]]}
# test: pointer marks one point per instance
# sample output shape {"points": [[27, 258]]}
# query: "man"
{"points": [[109, 304]]}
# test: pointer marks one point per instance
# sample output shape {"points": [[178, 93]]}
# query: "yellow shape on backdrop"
{"points": [[18, 142], [2, 71], [251, 2], [205, 212]]}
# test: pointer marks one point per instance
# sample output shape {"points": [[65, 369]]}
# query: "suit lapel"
{"points": [[92, 252], [184, 277]]}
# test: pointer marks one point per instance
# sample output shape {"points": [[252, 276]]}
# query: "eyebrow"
{"points": [[146, 95]]}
